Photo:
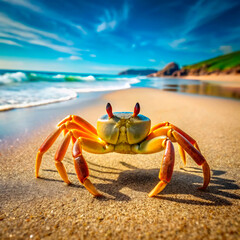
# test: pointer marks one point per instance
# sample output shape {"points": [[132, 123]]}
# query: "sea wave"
{"points": [[13, 77], [38, 88], [30, 98], [8, 78], [18, 77], [131, 80], [80, 78]]}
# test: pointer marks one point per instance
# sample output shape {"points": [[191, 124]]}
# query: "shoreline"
{"points": [[213, 77], [38, 117], [25, 123], [46, 207]]}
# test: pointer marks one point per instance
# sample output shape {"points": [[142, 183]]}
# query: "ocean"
{"points": [[23, 89]]}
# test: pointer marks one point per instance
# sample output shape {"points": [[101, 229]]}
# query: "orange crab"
{"points": [[121, 132]]}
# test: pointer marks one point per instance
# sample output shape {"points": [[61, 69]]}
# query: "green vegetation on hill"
{"points": [[220, 63]]}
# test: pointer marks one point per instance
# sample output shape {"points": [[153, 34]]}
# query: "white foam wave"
{"points": [[28, 98], [130, 80], [42, 89], [103, 88], [59, 76], [13, 77], [135, 80], [81, 78], [89, 78]]}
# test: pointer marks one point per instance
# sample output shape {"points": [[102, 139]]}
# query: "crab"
{"points": [[121, 132]]}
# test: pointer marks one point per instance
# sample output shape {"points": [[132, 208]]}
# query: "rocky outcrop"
{"points": [[142, 72], [168, 70], [179, 73]]}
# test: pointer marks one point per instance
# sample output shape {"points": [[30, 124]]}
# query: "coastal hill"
{"points": [[168, 70], [225, 64], [142, 72]]}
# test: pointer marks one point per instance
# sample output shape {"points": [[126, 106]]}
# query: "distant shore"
{"points": [[214, 77]]}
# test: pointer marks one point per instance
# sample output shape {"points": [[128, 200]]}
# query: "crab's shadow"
{"points": [[184, 182]]}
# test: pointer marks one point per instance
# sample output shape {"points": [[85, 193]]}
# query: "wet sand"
{"points": [[46, 208], [219, 78]]}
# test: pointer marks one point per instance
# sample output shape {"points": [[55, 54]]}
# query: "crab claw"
{"points": [[109, 110], [136, 110]]}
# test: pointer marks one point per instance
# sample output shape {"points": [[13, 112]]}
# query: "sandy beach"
{"points": [[219, 78], [46, 208]]}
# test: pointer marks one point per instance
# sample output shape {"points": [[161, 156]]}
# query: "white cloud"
{"points": [[75, 58], [72, 57], [80, 28], [47, 12], [102, 27], [203, 11], [226, 49], [112, 18], [9, 42], [151, 60], [92, 55], [106, 25], [24, 3], [177, 42], [56, 47], [198, 14], [16, 28]]}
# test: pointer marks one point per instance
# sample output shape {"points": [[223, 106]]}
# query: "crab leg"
{"points": [[78, 133], [82, 168], [195, 154], [60, 153], [155, 143], [82, 131], [96, 146], [69, 129], [81, 122], [182, 154], [158, 132], [150, 145], [45, 146], [163, 131], [160, 128], [92, 146], [166, 170], [190, 139]]}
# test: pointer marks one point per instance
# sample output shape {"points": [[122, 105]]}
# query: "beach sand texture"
{"points": [[46, 208], [213, 77]]}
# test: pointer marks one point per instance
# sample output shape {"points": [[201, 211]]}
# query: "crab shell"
{"points": [[123, 127]]}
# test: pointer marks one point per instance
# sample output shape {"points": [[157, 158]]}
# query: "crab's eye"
{"points": [[136, 110], [109, 110]]}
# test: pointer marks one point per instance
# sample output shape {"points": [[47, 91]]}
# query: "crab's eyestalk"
{"points": [[136, 110], [109, 110]]}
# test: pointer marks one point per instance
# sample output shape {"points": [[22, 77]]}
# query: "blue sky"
{"points": [[94, 36]]}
